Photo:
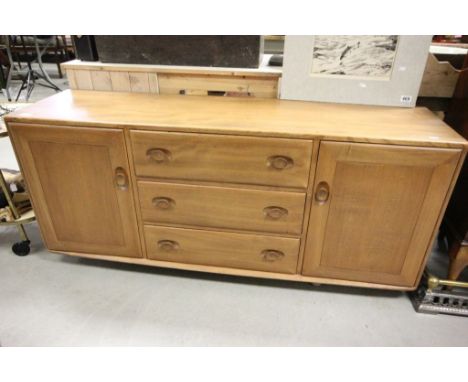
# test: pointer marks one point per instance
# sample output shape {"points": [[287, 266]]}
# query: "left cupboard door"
{"points": [[80, 188]]}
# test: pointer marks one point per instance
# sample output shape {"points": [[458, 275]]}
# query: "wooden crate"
{"points": [[439, 79]]}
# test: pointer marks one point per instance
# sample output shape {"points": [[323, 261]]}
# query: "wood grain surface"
{"points": [[222, 207], [383, 202], [237, 116], [227, 159], [224, 249], [71, 175]]}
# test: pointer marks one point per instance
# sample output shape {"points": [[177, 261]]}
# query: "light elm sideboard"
{"points": [[311, 192]]}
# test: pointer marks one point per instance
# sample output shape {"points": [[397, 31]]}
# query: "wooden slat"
{"points": [[153, 83], [120, 81], [139, 82], [83, 80], [262, 71], [101, 80], [71, 79]]}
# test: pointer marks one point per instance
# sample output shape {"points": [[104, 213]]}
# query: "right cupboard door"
{"points": [[374, 211]]}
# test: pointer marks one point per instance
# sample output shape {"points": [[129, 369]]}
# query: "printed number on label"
{"points": [[406, 98]]}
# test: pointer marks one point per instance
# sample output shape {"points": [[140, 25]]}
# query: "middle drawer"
{"points": [[222, 207]]}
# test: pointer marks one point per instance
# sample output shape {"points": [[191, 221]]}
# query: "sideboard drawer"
{"points": [[222, 249], [222, 207], [220, 158]]}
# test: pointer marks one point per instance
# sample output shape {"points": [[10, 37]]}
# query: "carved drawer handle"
{"points": [[274, 212], [121, 178], [159, 155], [280, 162], [168, 245], [322, 192], [163, 203], [271, 255]]}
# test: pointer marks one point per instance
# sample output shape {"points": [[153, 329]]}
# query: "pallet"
{"points": [[183, 80]]}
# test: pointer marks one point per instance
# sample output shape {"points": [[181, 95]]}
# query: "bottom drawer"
{"points": [[222, 249]]}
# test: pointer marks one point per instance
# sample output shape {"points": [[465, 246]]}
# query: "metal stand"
{"points": [[31, 75], [432, 297]]}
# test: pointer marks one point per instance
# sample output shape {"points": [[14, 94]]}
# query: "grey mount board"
{"points": [[397, 87]]}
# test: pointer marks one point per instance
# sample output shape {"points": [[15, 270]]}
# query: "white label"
{"points": [[13, 187], [406, 99]]}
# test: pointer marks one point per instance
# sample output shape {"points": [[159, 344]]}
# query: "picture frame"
{"points": [[366, 69]]}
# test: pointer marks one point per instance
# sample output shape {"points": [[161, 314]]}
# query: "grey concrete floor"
{"points": [[48, 299]]}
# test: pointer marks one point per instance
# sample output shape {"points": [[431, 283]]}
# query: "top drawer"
{"points": [[220, 158]]}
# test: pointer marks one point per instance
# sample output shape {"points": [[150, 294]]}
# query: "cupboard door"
{"points": [[79, 183], [374, 210]]}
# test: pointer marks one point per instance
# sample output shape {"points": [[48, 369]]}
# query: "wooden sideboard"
{"points": [[312, 192]]}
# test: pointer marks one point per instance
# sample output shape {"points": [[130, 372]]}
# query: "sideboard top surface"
{"points": [[242, 116]]}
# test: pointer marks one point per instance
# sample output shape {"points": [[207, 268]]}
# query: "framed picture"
{"points": [[362, 69]]}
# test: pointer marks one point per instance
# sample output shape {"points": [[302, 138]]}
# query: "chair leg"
{"points": [[458, 260], [18, 60], [2, 77], [57, 58], [65, 48]]}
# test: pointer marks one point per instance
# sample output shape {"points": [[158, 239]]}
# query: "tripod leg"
{"points": [[23, 86], [30, 87], [41, 67]]}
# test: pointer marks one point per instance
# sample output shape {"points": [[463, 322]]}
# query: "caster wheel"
{"points": [[21, 248]]}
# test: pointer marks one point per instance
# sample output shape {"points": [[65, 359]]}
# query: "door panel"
{"points": [[382, 207], [78, 179]]}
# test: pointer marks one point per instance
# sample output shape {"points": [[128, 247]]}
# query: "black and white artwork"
{"points": [[369, 70], [357, 56]]}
